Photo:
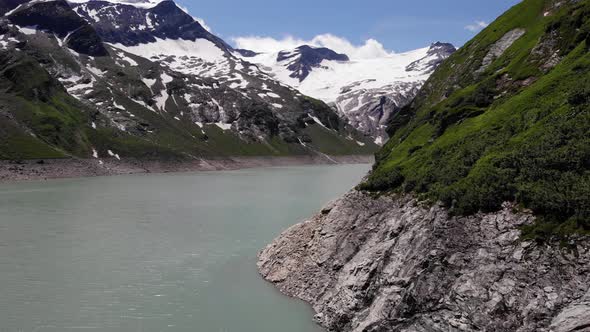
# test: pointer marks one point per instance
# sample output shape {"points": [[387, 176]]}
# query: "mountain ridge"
{"points": [[365, 91], [171, 103]]}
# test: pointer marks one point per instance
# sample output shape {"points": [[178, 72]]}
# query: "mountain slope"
{"points": [[476, 214], [364, 90], [504, 119], [91, 99]]}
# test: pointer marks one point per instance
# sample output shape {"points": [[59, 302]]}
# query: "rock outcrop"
{"points": [[500, 47], [305, 58], [394, 264]]}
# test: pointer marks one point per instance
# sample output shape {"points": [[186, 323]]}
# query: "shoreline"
{"points": [[391, 253], [45, 169]]}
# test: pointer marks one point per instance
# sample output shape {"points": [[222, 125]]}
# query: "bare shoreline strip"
{"points": [[74, 168]]}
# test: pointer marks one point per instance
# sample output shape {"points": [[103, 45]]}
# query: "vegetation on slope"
{"points": [[40, 120], [516, 131]]}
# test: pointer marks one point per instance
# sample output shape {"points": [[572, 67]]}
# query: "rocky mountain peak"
{"points": [[55, 16], [58, 17], [132, 24], [135, 3], [304, 58], [442, 48], [435, 55], [365, 91]]}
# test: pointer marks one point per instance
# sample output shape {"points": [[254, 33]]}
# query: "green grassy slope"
{"points": [[518, 131], [40, 120]]}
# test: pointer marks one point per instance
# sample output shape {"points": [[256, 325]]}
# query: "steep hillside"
{"points": [[506, 118], [68, 93], [392, 264], [477, 213]]}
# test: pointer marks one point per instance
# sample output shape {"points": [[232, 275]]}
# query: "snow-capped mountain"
{"points": [[149, 78], [367, 90], [136, 3], [132, 24], [165, 33], [436, 53]]}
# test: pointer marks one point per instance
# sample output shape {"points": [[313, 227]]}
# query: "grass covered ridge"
{"points": [[519, 131]]}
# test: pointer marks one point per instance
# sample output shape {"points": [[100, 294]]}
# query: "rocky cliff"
{"points": [[394, 264], [504, 119]]}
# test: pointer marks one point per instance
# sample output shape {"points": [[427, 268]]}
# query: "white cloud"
{"points": [[369, 50], [266, 44], [477, 26]]}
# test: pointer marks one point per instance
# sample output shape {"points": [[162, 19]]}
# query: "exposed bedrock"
{"points": [[393, 264]]}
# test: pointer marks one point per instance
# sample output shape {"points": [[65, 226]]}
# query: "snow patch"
{"points": [[201, 48], [4, 43], [142, 103], [149, 82], [328, 80], [112, 154], [145, 4], [317, 120], [118, 106], [127, 59], [162, 99], [223, 126], [28, 30], [166, 78], [95, 71]]}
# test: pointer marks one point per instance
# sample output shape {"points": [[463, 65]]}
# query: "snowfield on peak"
{"points": [[146, 4], [365, 90], [201, 48], [327, 81]]}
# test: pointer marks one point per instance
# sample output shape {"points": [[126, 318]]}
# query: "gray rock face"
{"points": [[500, 47], [303, 59], [130, 25], [576, 317], [392, 264], [369, 110]]}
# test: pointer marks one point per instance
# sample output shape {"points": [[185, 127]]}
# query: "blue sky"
{"points": [[398, 25]]}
